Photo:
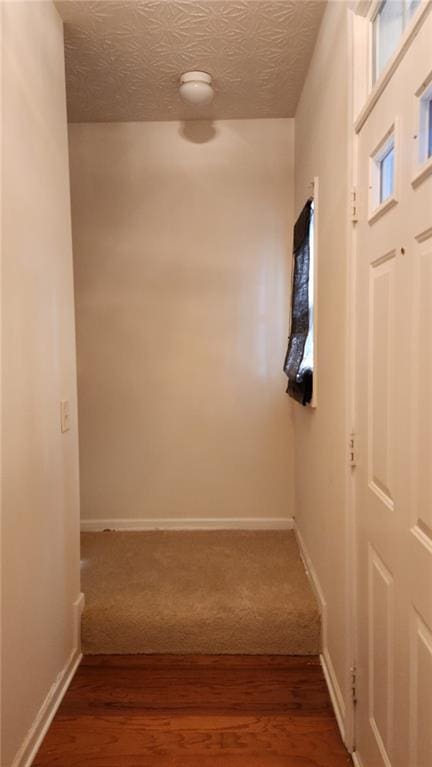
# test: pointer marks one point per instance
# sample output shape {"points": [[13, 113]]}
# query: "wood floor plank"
{"points": [[166, 660], [241, 687], [188, 712]]}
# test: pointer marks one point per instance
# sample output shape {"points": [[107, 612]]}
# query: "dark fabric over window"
{"points": [[300, 379]]}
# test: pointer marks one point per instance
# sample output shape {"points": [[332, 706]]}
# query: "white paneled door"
{"points": [[394, 418]]}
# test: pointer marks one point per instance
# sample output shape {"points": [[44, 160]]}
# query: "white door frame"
{"points": [[350, 399]]}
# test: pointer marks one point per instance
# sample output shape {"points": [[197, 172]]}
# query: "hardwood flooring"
{"points": [[195, 711]]}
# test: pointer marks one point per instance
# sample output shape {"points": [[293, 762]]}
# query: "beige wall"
{"points": [[182, 238], [40, 505], [321, 435]]}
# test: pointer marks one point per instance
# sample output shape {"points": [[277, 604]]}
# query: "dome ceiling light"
{"points": [[196, 88]]}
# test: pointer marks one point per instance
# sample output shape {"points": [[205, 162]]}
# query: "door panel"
{"points": [[394, 427], [421, 694], [422, 425], [381, 651], [381, 378]]}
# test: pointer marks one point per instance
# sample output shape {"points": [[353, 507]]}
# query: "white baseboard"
{"points": [[78, 608], [326, 662], [206, 523], [316, 586], [334, 691], [48, 709]]}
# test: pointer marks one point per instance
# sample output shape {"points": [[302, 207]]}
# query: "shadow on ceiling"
{"points": [[198, 131]]}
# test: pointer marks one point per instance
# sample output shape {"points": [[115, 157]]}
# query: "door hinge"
{"points": [[352, 450], [354, 684], [354, 205]]}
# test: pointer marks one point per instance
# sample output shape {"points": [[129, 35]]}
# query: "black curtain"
{"points": [[299, 378]]}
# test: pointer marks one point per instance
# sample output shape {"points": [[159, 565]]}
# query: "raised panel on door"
{"points": [[381, 653], [421, 515], [420, 694], [381, 379]]}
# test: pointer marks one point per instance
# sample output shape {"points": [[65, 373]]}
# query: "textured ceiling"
{"points": [[124, 59]]}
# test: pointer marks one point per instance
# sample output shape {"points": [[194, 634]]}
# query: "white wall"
{"points": [[182, 241], [321, 435], [40, 504]]}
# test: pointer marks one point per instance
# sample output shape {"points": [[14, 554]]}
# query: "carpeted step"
{"points": [[211, 592]]}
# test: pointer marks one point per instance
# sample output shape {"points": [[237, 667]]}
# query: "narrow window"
{"points": [[386, 174], [383, 175], [388, 26], [429, 143], [308, 355], [298, 364], [425, 123]]}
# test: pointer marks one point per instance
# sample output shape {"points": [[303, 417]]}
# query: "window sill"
{"points": [[423, 172], [383, 208]]}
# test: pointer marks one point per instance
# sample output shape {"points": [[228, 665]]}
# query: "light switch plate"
{"points": [[65, 418]]}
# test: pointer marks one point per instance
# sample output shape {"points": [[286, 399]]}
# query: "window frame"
{"points": [[365, 92], [298, 383], [374, 34], [313, 268], [423, 111], [377, 207]]}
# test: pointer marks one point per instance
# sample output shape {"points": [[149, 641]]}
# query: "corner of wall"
{"points": [[335, 691], [320, 436], [56, 693]]}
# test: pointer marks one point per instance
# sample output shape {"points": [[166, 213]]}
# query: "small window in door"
{"points": [[429, 130], [386, 173], [423, 154], [425, 125], [389, 24], [383, 175]]}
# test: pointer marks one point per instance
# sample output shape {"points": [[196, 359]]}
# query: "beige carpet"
{"points": [[197, 592]]}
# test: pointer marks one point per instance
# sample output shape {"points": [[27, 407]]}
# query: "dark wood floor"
{"points": [[195, 711]]}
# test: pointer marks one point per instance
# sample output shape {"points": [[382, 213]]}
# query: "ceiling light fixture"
{"points": [[195, 88]]}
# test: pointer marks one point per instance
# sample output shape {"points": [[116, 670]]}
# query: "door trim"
{"points": [[350, 400]]}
